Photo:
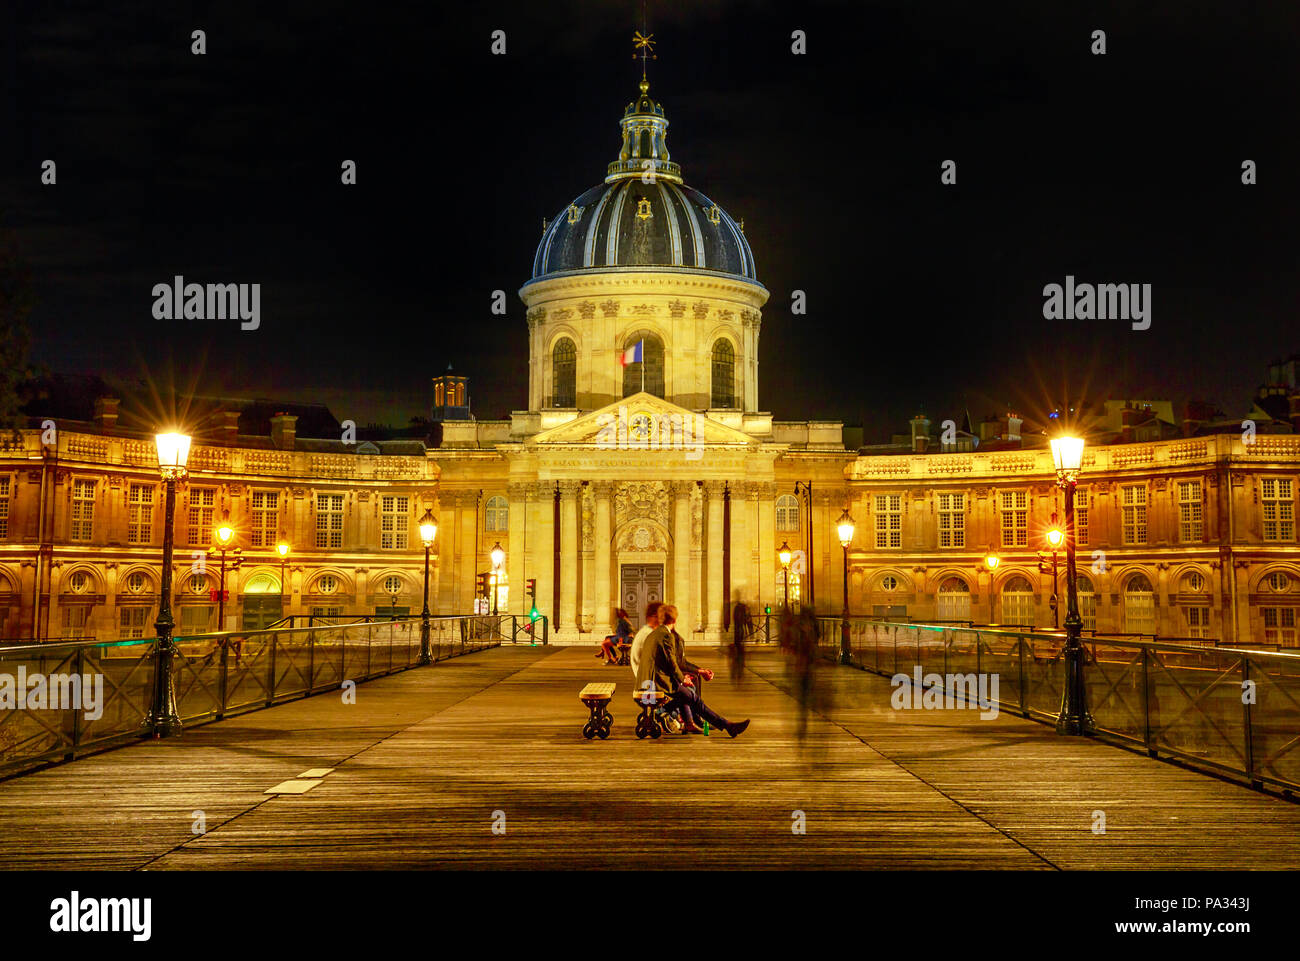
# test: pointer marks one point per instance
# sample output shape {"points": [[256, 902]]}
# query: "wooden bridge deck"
{"points": [[424, 758]]}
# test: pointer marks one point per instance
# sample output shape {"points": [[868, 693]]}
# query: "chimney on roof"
{"points": [[106, 412], [1128, 418], [1013, 427], [228, 427], [283, 430], [920, 434]]}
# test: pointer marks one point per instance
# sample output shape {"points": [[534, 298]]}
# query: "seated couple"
{"points": [[658, 656], [622, 635]]}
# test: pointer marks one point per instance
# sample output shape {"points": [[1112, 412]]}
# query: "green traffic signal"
{"points": [[534, 614]]}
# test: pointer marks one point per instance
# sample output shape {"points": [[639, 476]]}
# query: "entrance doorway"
{"points": [[640, 584]]}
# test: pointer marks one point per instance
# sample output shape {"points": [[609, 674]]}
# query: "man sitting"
{"points": [[651, 622], [659, 665]]}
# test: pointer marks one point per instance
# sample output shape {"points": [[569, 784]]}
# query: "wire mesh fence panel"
{"points": [[1116, 676], [1003, 655], [1044, 674], [1275, 717], [247, 664], [196, 681], [1194, 704], [292, 664], [127, 670]]}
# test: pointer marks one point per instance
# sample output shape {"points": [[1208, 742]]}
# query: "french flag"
{"points": [[632, 355]]}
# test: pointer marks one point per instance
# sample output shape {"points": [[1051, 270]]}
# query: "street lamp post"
{"points": [[1055, 537], [1067, 457], [498, 558], [805, 487], [845, 528], [785, 556], [282, 548], [225, 534], [428, 530], [173, 454]]}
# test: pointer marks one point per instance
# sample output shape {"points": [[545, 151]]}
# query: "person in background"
{"points": [[622, 632], [651, 622], [742, 628]]}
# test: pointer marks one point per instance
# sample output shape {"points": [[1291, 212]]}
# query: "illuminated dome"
{"points": [[627, 223]]}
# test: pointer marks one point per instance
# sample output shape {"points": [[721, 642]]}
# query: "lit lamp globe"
{"points": [[991, 561], [785, 554], [224, 530], [1055, 537], [283, 548], [845, 528], [173, 453], [1067, 457], [498, 555], [428, 528]]}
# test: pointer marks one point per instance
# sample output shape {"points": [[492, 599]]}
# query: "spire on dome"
{"points": [[645, 130]]}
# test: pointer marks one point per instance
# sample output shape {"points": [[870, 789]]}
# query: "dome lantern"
{"points": [[645, 147]]}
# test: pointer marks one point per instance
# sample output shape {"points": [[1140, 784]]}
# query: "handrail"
{"points": [[109, 692], [1233, 710]]}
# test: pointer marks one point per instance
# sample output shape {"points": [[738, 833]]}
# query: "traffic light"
{"points": [[530, 588], [481, 587]]}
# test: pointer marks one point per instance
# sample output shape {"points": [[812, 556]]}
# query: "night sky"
{"points": [[225, 168]]}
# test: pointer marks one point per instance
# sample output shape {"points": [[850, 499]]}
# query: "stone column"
{"points": [[603, 491], [518, 531], [541, 547], [767, 544], [569, 491], [712, 618], [680, 583], [466, 557], [741, 554]]}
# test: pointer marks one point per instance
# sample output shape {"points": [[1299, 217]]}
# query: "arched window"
{"points": [[787, 513], [496, 514], [652, 362], [1018, 602], [1087, 602], [954, 600], [564, 369], [392, 584], [262, 584], [1139, 606], [724, 374]]}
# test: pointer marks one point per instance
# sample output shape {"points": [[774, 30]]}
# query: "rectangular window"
{"points": [[132, 620], [1015, 518], [139, 514], [1190, 523], [889, 521], [75, 619], [1087, 609], [1081, 516], [952, 520], [83, 510], [327, 611], [1133, 508], [203, 501], [1197, 621], [394, 522], [329, 520], [4, 507], [264, 522], [196, 619], [1277, 505], [1279, 626]]}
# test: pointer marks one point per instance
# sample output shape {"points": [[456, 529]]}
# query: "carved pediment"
{"points": [[643, 422]]}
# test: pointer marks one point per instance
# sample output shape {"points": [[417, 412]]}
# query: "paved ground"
{"points": [[425, 758]]}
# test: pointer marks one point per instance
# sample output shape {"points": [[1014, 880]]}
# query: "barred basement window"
{"points": [[264, 523], [952, 520], [889, 520], [394, 522], [1015, 519], [1139, 604], [132, 621], [1277, 506], [1197, 621], [1133, 510], [724, 374], [1087, 602], [4, 507], [139, 514], [787, 514], [1190, 526], [203, 501], [564, 370], [83, 511], [329, 520]]}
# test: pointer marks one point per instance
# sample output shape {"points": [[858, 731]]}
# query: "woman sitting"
{"points": [[622, 635]]}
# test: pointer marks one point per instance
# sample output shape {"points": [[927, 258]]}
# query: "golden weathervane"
{"points": [[646, 44]]}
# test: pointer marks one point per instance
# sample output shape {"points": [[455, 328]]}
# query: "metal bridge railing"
{"points": [[68, 698], [1232, 710]]}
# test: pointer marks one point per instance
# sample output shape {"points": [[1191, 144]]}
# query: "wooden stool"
{"points": [[647, 724]]}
